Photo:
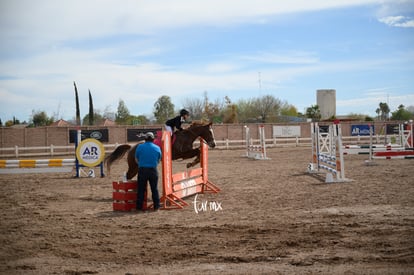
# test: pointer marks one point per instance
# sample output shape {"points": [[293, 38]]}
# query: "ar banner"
{"points": [[90, 152], [361, 130]]}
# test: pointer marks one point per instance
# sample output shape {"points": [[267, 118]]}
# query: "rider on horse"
{"points": [[176, 122]]}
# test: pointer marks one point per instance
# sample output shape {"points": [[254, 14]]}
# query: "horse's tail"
{"points": [[117, 154]]}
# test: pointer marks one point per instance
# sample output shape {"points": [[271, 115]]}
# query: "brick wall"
{"points": [[59, 136]]}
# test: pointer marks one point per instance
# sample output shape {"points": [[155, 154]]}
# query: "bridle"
{"points": [[195, 135]]}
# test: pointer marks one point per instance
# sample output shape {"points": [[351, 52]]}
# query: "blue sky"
{"points": [[138, 51]]}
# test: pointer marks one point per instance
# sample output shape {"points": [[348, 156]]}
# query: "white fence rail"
{"points": [[53, 150], [44, 151]]}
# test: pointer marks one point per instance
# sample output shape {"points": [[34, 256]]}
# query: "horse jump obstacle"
{"points": [[56, 165], [36, 166], [406, 135], [367, 149], [388, 151], [394, 155], [183, 184], [327, 153], [124, 195], [256, 151], [405, 141]]}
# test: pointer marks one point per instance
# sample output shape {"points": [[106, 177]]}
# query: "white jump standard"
{"points": [[327, 153], [256, 151]]}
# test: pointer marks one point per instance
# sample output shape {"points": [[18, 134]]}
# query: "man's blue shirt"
{"points": [[148, 155]]}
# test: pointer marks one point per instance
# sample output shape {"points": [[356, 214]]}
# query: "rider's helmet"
{"points": [[184, 112]]}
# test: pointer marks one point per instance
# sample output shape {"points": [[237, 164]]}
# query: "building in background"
{"points": [[326, 100]]}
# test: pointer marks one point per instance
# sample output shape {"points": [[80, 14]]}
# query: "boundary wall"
{"points": [[59, 136]]}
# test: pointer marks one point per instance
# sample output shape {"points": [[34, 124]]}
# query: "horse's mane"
{"points": [[198, 123]]}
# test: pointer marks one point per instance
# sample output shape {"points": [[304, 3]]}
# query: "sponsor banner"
{"points": [[139, 134], [393, 129], [361, 130], [323, 128], [100, 134], [286, 131]]}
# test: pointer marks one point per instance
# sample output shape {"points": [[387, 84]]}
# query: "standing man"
{"points": [[148, 155]]}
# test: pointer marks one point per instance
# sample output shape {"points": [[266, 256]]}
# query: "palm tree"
{"points": [[384, 110], [313, 112]]}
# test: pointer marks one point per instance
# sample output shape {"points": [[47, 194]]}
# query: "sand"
{"points": [[271, 217]]}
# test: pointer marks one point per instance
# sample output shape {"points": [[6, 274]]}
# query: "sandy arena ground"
{"points": [[274, 219]]}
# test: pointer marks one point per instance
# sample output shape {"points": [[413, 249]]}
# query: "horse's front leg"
{"points": [[193, 153]]}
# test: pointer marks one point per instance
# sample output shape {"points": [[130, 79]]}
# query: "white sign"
{"points": [[286, 131]]}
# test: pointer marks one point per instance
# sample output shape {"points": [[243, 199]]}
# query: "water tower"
{"points": [[326, 100]]}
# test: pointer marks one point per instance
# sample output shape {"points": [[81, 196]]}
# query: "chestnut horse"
{"points": [[182, 147]]}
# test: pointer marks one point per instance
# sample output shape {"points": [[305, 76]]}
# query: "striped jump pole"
{"points": [[36, 166], [369, 149], [394, 155]]}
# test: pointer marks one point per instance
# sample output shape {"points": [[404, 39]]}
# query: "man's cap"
{"points": [[149, 136]]}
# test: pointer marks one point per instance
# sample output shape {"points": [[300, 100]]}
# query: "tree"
{"points": [[360, 117], [40, 118], [108, 113], [313, 112], [401, 114], [91, 114], [383, 111], [211, 110], [15, 121], [97, 118], [122, 114], [288, 110], [245, 111], [78, 120], [9, 123], [230, 111], [140, 120], [267, 106], [195, 107], [163, 109]]}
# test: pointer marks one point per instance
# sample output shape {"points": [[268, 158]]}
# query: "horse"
{"points": [[182, 147]]}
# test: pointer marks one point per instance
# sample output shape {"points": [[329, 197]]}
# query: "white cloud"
{"points": [[397, 13], [44, 74], [292, 57], [368, 105], [221, 67], [140, 85], [398, 21], [79, 19]]}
